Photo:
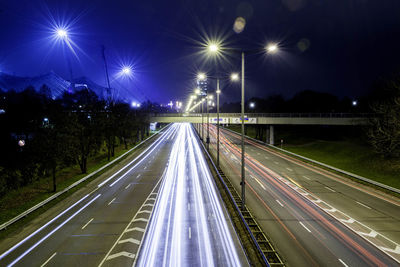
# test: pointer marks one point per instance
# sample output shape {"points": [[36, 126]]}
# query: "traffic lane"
{"points": [[376, 212], [36, 223], [334, 237], [89, 246], [190, 232], [32, 241], [218, 216], [319, 215]]}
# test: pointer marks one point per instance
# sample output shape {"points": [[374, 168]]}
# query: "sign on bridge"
{"points": [[221, 120], [246, 120]]}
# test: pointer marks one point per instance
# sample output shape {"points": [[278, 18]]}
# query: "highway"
{"points": [[104, 223], [312, 216], [189, 226]]}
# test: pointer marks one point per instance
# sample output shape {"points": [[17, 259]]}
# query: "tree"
{"points": [[384, 131]]}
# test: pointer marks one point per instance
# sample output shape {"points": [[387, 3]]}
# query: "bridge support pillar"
{"points": [[271, 135]]}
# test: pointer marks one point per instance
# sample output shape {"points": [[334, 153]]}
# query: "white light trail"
{"points": [[52, 232], [163, 135], [40, 229], [165, 243]]}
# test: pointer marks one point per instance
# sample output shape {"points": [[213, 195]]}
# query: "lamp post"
{"points": [[218, 92], [270, 48]]}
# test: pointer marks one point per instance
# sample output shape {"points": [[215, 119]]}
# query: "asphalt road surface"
{"points": [[312, 216], [104, 223]]}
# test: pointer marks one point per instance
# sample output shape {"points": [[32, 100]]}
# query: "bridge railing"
{"points": [[274, 115]]}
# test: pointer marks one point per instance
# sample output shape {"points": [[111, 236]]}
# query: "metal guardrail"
{"points": [[271, 115], [267, 247], [361, 178], [44, 202]]}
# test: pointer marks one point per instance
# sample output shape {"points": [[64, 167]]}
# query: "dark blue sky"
{"points": [[345, 45]]}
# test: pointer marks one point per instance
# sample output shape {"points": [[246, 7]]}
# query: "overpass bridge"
{"points": [[267, 118], [271, 119]]}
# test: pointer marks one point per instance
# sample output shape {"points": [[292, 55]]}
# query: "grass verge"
{"points": [[349, 154], [17, 201]]}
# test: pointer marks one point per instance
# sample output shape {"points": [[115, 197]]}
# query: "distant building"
{"points": [[202, 85]]}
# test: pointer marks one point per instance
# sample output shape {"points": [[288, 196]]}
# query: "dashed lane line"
{"points": [[49, 259], [305, 227], [83, 227]]}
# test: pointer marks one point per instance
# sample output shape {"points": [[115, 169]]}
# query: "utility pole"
{"points": [[107, 77]]}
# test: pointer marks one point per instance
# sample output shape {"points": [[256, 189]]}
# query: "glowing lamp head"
{"points": [[126, 71], [235, 77], [201, 76], [62, 33], [197, 91], [218, 92], [252, 105], [213, 48], [272, 48]]}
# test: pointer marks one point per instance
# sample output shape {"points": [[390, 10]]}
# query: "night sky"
{"points": [[332, 46]]}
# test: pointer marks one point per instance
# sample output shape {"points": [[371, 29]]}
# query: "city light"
{"points": [[235, 77], [126, 70], [135, 104], [252, 105], [218, 91], [272, 48], [354, 103], [197, 91], [201, 76], [62, 33], [213, 48]]}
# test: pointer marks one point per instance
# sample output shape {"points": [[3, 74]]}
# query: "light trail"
{"points": [[181, 236], [52, 232], [300, 206]]}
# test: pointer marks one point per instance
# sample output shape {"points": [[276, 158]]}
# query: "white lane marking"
{"points": [[259, 183], [258, 153], [266, 157], [342, 262], [40, 229], [306, 177], [330, 189], [129, 240], [279, 202], [111, 201], [276, 163], [363, 205], [189, 206], [52, 232], [49, 259], [145, 167], [127, 186], [305, 227], [83, 227], [190, 232], [135, 229], [122, 253], [289, 169], [156, 143], [138, 176]]}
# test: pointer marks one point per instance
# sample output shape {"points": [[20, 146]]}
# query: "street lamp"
{"points": [[252, 105]]}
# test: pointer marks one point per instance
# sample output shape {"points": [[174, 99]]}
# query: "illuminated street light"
{"points": [[62, 33], [272, 48], [235, 77], [218, 91], [252, 105], [210, 97], [126, 71], [354, 103], [201, 76], [213, 48], [197, 91]]}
